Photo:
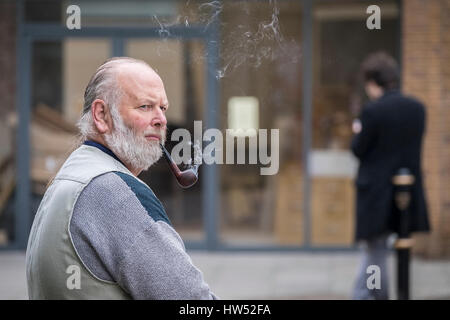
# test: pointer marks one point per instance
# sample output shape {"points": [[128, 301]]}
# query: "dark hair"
{"points": [[382, 69]]}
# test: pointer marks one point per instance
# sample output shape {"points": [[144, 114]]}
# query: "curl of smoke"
{"points": [[243, 46]]}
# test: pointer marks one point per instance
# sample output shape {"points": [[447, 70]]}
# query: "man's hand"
{"points": [[356, 126]]}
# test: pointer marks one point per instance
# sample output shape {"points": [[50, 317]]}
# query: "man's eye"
{"points": [[146, 106], [164, 109]]}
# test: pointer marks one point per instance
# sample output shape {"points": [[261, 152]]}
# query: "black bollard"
{"points": [[403, 182]]}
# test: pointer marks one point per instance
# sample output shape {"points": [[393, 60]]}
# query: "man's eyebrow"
{"points": [[151, 101]]}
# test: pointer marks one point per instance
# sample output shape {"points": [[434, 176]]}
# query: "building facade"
{"points": [[291, 65]]}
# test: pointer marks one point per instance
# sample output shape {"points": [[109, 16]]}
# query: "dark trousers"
{"points": [[374, 254]]}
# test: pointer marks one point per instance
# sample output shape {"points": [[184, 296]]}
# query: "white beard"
{"points": [[132, 148]]}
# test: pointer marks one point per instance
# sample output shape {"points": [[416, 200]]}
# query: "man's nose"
{"points": [[159, 119]]}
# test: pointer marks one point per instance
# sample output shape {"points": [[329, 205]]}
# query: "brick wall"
{"points": [[426, 75]]}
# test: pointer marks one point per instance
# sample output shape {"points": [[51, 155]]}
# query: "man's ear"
{"points": [[101, 116]]}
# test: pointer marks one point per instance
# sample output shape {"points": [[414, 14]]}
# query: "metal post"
{"points": [[23, 218], [403, 181], [211, 178]]}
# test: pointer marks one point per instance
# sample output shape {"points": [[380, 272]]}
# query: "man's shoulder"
{"points": [[108, 183], [116, 191], [117, 181], [113, 179], [400, 98], [106, 192], [393, 100], [413, 101]]}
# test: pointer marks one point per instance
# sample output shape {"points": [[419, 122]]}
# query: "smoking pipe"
{"points": [[186, 178]]}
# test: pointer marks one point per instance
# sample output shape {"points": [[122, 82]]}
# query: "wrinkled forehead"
{"points": [[139, 81]]}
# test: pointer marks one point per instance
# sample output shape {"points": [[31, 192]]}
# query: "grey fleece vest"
{"points": [[54, 268]]}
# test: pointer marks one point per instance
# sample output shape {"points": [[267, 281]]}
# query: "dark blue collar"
{"points": [[390, 92], [103, 148]]}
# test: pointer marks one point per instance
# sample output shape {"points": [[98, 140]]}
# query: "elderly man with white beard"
{"points": [[100, 232]]}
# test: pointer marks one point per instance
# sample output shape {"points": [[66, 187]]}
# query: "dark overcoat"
{"points": [[391, 138]]}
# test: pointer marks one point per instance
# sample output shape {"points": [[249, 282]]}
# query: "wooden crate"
{"points": [[288, 220], [332, 207], [49, 149], [52, 141]]}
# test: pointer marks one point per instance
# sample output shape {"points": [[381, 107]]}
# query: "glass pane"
{"points": [[60, 72], [341, 41], [181, 65], [260, 78], [81, 58]]}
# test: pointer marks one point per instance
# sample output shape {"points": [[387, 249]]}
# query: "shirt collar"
{"points": [[391, 92], [103, 148]]}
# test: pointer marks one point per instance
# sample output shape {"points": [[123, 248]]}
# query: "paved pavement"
{"points": [[284, 275]]}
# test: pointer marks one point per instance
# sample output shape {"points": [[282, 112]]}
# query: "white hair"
{"points": [[103, 85]]}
